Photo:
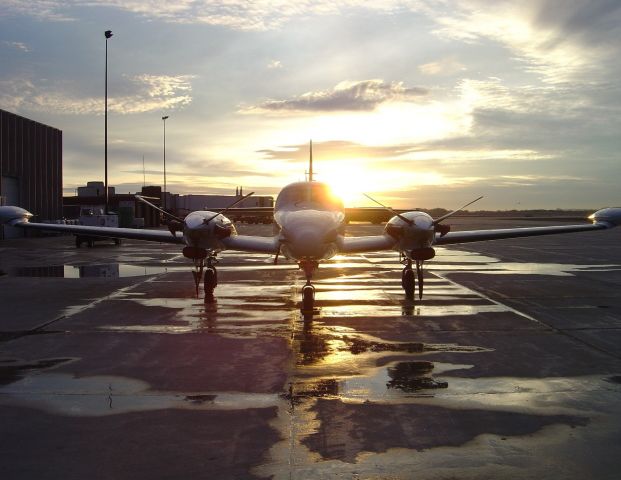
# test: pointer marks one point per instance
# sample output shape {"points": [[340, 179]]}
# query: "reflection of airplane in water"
{"points": [[316, 345], [103, 270], [310, 224]]}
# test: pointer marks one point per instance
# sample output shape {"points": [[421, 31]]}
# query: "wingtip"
{"points": [[10, 215]]}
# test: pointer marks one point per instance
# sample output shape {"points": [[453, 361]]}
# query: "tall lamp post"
{"points": [[164, 120], [108, 34]]}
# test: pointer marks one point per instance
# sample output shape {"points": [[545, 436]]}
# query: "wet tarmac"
{"points": [[510, 366]]}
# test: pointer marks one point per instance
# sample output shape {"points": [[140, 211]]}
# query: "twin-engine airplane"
{"points": [[309, 228]]}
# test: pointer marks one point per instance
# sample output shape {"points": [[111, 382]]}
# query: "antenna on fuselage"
{"points": [[310, 162]]}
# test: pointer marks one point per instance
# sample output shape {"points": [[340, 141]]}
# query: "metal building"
{"points": [[31, 155]]}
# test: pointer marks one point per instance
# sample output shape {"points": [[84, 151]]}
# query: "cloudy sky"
{"points": [[419, 103]]}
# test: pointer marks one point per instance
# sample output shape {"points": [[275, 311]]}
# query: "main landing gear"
{"points": [[211, 276], [408, 280], [204, 264], [308, 290]]}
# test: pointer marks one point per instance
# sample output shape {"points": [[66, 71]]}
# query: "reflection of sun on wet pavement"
{"points": [[363, 286], [374, 385]]}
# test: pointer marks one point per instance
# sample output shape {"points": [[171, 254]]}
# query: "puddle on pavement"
{"points": [[247, 307], [346, 363], [104, 270], [552, 269], [12, 370], [65, 394], [395, 382]]}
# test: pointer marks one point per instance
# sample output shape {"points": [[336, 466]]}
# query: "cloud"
{"points": [[149, 93], [493, 94], [235, 14], [40, 9], [452, 155], [444, 66], [17, 45], [274, 64], [557, 40], [335, 150], [555, 119], [363, 95]]}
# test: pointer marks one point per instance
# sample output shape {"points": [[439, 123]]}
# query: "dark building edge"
{"points": [[32, 152]]}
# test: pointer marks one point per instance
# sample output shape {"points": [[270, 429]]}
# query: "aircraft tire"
{"points": [[211, 280], [308, 297], [407, 282]]}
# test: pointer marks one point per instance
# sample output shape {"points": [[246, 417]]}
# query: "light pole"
{"points": [[164, 120], [108, 34]]}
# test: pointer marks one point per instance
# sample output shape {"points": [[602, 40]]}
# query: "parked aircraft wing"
{"points": [[108, 232], [497, 234], [365, 244], [249, 243]]}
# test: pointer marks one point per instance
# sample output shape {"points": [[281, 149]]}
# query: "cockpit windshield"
{"points": [[313, 195]]}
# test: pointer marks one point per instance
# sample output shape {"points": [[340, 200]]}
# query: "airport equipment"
{"points": [[95, 217]]}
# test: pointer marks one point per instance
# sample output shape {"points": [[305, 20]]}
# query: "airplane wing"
{"points": [[365, 244], [497, 234], [250, 243], [244, 243], [112, 232]]}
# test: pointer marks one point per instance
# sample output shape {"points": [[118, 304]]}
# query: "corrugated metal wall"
{"points": [[33, 153]]}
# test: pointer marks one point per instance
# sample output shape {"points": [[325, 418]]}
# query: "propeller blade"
{"points": [[161, 210], [406, 220], [444, 217], [230, 206], [419, 274]]}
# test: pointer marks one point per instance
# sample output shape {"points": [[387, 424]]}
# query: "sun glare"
{"points": [[393, 123], [350, 179], [346, 180]]}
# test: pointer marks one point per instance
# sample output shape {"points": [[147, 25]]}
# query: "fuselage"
{"points": [[309, 218]]}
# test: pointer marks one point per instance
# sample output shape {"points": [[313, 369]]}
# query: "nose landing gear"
{"points": [[308, 291], [308, 297]]}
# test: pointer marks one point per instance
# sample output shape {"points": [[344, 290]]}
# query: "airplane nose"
{"points": [[307, 243]]}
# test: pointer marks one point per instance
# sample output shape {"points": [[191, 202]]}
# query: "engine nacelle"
{"points": [[413, 230], [206, 230]]}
